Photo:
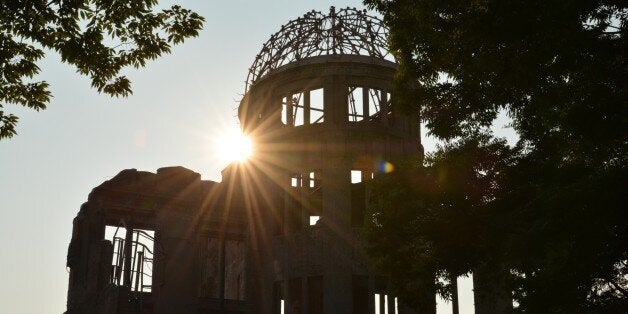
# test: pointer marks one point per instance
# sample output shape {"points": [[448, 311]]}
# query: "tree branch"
{"points": [[618, 287]]}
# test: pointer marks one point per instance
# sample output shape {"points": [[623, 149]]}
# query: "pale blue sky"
{"points": [[180, 103]]}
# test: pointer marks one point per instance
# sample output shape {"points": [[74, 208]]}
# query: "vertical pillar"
{"points": [[382, 303], [336, 217], [178, 261], [387, 109], [290, 105], [329, 107], [454, 295], [128, 246], [365, 102], [306, 107]]}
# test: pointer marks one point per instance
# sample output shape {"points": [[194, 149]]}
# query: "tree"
{"points": [[98, 37], [555, 210], [431, 220]]}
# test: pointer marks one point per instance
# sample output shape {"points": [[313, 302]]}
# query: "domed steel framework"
{"points": [[347, 31]]}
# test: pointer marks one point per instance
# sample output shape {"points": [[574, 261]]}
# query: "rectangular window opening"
{"points": [[356, 176], [375, 101], [298, 109], [309, 179], [222, 266], [378, 101], [314, 220], [313, 180], [133, 256], [296, 180], [317, 106], [355, 103], [284, 110], [210, 256], [305, 197], [234, 272], [292, 109]]}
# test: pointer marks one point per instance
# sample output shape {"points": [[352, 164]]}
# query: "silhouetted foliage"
{"points": [[551, 208], [98, 37]]}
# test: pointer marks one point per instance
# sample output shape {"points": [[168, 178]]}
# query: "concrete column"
{"points": [[336, 218], [128, 245], [455, 308], [178, 282]]}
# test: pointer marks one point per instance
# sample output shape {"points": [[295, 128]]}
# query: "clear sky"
{"points": [[180, 104]]}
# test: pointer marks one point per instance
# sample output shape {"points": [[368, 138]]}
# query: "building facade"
{"points": [[282, 232]]}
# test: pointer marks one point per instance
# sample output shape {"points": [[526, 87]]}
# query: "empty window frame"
{"points": [[313, 180], [296, 180], [307, 197], [306, 107], [133, 256], [378, 101], [314, 219], [356, 176], [223, 268], [366, 103], [309, 179], [355, 101], [234, 272], [317, 106], [292, 108], [314, 197], [210, 255]]}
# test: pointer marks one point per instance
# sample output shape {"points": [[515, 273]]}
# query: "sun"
{"points": [[235, 146]]}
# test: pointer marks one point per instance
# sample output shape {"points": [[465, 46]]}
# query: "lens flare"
{"points": [[385, 167], [235, 146]]}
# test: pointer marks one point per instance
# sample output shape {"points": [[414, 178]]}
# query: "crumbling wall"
{"points": [[179, 208]]}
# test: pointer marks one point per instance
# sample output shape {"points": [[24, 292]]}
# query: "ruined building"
{"points": [[281, 232]]}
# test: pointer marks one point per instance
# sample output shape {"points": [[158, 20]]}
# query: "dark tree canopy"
{"points": [[551, 208], [98, 37]]}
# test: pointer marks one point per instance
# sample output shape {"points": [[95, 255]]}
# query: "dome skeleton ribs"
{"points": [[348, 31]]}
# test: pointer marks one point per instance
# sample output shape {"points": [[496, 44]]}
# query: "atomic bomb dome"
{"points": [[282, 232], [347, 31]]}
